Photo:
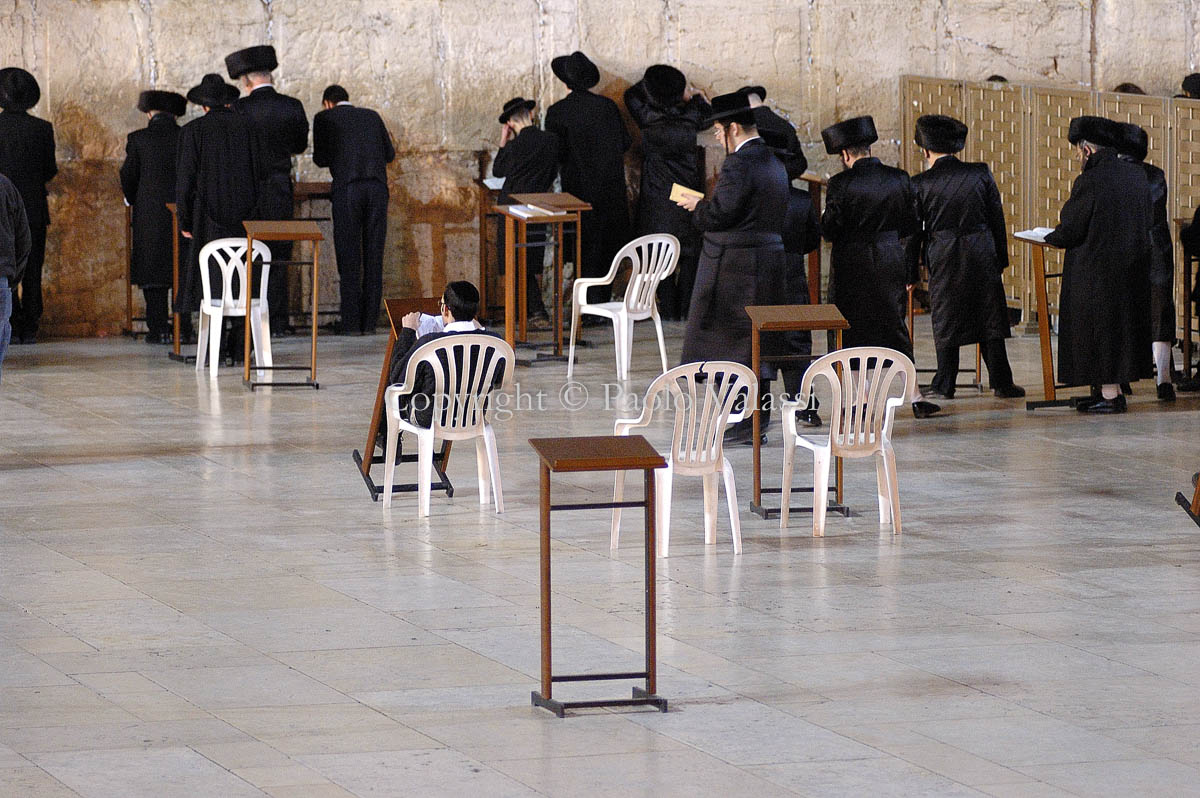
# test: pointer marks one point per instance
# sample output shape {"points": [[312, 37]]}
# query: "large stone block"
{"points": [[1143, 42]]}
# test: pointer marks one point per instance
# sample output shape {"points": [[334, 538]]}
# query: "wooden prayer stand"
{"points": [[487, 202], [396, 310], [590, 454], [789, 318], [912, 339], [1049, 388], [567, 209], [288, 230], [129, 317], [1189, 259], [176, 352]]}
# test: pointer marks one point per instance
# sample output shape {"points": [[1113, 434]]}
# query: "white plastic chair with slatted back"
{"points": [[654, 257], [229, 255], [704, 397], [467, 369], [868, 384]]}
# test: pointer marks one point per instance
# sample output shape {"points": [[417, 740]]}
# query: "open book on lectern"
{"points": [[1034, 234]]}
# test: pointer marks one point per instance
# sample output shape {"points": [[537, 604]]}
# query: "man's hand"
{"points": [[688, 202], [412, 320], [185, 234], [505, 134]]}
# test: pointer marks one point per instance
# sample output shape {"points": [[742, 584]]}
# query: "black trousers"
{"points": [[158, 320], [27, 309], [603, 236], [995, 356], [359, 233]]}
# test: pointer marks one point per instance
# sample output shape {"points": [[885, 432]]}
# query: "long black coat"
{"points": [[27, 159], [148, 181], [354, 143], [1104, 315], [1162, 248], [742, 260], [283, 127], [869, 215], [528, 162], [964, 242], [217, 186]]}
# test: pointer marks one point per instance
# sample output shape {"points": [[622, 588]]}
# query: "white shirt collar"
{"points": [[747, 141], [459, 326], [345, 102], [263, 86]]}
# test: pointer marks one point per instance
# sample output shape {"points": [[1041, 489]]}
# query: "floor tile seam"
{"points": [[62, 785]]}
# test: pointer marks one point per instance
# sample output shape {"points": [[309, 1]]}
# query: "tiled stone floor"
{"points": [[197, 598]]}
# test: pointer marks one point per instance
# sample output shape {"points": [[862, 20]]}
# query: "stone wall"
{"points": [[438, 70]]}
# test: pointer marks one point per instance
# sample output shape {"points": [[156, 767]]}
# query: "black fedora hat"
{"points": [[1134, 142], [515, 105], [576, 70], [664, 83], [856, 132], [212, 92], [260, 58], [793, 160], [735, 105], [939, 133], [1096, 129], [19, 90], [757, 90], [169, 101]]}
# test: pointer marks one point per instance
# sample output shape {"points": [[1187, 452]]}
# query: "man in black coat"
{"points": [[1103, 327], [217, 183], [592, 142], [148, 182], [27, 159], [964, 244], [774, 128], [742, 261], [1133, 146], [14, 254], [669, 114], [528, 162], [869, 215], [283, 128], [355, 145]]}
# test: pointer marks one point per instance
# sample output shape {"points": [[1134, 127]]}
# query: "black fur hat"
{"points": [[938, 133], [260, 58], [1096, 129], [856, 132], [19, 90], [1134, 141], [665, 84], [1191, 85], [169, 101]]}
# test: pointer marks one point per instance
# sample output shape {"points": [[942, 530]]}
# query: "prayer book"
{"points": [[678, 192], [1036, 234], [494, 183]]}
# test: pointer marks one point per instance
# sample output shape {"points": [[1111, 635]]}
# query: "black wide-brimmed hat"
{"points": [[856, 132], [793, 160], [1096, 129], [19, 90], [759, 90], [168, 101], [515, 105], [1191, 84], [733, 104], [260, 58], [665, 84], [939, 133], [1134, 141], [576, 70], [212, 92]]}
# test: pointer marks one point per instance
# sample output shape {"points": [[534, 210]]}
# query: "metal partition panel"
{"points": [[1054, 164], [995, 114], [919, 96], [1183, 180]]}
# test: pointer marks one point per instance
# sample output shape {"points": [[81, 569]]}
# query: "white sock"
{"points": [[1162, 361], [1110, 391]]}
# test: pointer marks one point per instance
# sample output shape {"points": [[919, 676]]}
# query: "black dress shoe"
{"points": [[923, 409], [742, 433], [1189, 385], [809, 418], [1166, 392], [1010, 392], [1104, 406]]}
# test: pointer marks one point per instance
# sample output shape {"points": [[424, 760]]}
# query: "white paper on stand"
{"points": [[1037, 234]]}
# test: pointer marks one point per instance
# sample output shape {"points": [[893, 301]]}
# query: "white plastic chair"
{"points": [[654, 258], [702, 410], [229, 255], [465, 369], [860, 424]]}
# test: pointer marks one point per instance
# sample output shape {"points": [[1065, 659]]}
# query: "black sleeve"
{"points": [[812, 231], [643, 112], [1075, 216], [505, 159], [21, 239], [185, 178], [729, 198], [389, 151], [49, 165], [322, 149], [130, 170], [298, 140], [832, 225], [555, 126], [995, 214]]}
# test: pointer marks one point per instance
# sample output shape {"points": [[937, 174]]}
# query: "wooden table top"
{"points": [[554, 200], [787, 318], [283, 230], [598, 453]]}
